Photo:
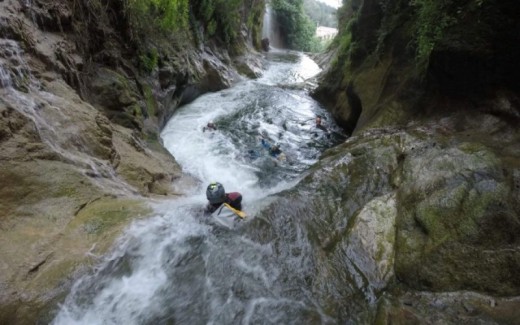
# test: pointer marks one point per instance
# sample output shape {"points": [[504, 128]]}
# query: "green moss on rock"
{"points": [[454, 207], [102, 215]]}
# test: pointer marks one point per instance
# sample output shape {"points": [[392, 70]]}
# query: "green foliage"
{"points": [[321, 13], [149, 60], [433, 19], [317, 45], [207, 8], [343, 42], [221, 18], [297, 27], [212, 27], [150, 100], [255, 20], [181, 20], [165, 15], [150, 21]]}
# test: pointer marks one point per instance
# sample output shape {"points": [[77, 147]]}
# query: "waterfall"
{"points": [[266, 27], [13, 68], [271, 29], [5, 75]]}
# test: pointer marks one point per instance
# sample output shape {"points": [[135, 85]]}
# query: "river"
{"points": [[177, 267]]}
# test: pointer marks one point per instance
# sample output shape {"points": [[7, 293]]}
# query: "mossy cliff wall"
{"points": [[154, 61], [445, 74], [398, 60], [85, 88]]}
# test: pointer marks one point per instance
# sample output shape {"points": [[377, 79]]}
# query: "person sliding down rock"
{"points": [[217, 196]]}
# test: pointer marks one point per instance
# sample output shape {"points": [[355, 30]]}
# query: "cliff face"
{"points": [[415, 224], [399, 60], [428, 91], [83, 98]]}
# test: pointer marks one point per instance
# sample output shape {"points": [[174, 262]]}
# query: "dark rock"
{"points": [[265, 44], [112, 90]]}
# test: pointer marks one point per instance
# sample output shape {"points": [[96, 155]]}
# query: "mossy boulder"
{"points": [[117, 96], [62, 200], [148, 167], [47, 226], [112, 90], [248, 65], [446, 308], [405, 60], [338, 223], [458, 222], [395, 211]]}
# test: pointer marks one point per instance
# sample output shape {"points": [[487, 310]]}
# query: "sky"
{"points": [[332, 3]]}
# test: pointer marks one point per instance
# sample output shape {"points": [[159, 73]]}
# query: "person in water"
{"points": [[264, 140], [265, 144], [319, 125], [275, 150], [210, 127], [216, 195]]}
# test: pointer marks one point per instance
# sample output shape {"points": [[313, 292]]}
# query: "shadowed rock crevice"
{"points": [[36, 267], [356, 109]]}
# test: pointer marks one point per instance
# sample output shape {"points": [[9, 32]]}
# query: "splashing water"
{"points": [[242, 114], [175, 267]]}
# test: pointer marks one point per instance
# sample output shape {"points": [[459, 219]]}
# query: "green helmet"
{"points": [[215, 193]]}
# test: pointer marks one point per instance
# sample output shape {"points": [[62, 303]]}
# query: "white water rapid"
{"points": [[177, 267]]}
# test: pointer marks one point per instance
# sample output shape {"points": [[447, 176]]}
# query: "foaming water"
{"points": [[289, 68], [127, 287], [179, 268], [233, 155]]}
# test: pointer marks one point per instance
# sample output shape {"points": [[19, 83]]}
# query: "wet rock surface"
{"points": [[79, 147], [399, 212], [413, 224]]}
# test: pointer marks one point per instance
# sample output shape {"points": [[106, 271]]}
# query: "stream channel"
{"points": [[177, 267]]}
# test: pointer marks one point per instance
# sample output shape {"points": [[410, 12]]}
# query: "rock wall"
{"points": [[415, 224], [396, 60], [79, 137], [427, 89]]}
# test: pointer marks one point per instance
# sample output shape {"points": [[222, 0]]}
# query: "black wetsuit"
{"points": [[275, 151], [209, 127], [321, 127], [234, 199]]}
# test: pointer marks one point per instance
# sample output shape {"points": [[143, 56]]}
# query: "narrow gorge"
{"points": [[407, 211]]}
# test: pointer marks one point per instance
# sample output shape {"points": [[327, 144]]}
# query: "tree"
{"points": [[297, 28]]}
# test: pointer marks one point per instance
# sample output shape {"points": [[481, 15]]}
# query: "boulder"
{"points": [[394, 212], [265, 44]]}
